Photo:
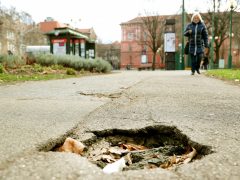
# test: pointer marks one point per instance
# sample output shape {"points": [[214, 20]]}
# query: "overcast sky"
{"points": [[105, 16]]}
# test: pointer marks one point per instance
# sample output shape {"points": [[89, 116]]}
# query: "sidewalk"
{"points": [[206, 110]]}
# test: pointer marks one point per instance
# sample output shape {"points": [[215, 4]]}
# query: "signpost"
{"points": [[169, 44]]}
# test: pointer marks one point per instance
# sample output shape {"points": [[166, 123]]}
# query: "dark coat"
{"points": [[198, 39]]}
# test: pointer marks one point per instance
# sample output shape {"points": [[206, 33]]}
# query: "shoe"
{"points": [[198, 71], [192, 73]]}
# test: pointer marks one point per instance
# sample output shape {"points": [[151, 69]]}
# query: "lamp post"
{"points": [[232, 4], [181, 60], [212, 39]]}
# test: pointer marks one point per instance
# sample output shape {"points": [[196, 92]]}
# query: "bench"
{"points": [[145, 66]]}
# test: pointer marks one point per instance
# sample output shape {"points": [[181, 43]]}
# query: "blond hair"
{"points": [[196, 14]]}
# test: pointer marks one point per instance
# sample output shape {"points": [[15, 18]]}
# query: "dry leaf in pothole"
{"points": [[95, 157], [186, 158], [172, 160], [165, 165], [104, 151], [117, 150], [154, 156], [107, 158], [128, 158], [150, 166], [132, 147], [190, 156], [73, 146], [115, 156]]}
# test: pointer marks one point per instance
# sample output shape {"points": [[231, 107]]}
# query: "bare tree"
{"points": [[236, 31], [17, 29], [221, 25], [1, 21], [237, 34], [152, 36], [109, 52], [33, 36]]}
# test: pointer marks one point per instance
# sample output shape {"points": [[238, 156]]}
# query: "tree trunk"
{"points": [[154, 61], [217, 54]]}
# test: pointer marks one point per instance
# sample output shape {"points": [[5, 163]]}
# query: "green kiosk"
{"points": [[69, 41]]}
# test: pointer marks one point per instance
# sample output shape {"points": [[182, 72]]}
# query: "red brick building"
{"points": [[135, 55]]}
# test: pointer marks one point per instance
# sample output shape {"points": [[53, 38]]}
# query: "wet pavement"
{"points": [[37, 115]]}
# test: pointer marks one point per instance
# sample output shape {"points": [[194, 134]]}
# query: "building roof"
{"points": [[138, 20], [66, 30], [47, 26], [88, 32], [132, 21], [84, 30]]}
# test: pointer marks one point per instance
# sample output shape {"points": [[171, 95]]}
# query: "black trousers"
{"points": [[196, 60]]}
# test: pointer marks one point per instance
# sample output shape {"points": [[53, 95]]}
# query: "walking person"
{"points": [[196, 32]]}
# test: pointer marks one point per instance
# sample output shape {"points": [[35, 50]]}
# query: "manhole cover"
{"points": [[146, 148]]}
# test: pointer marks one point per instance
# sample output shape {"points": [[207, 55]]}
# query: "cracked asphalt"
{"points": [[35, 115]]}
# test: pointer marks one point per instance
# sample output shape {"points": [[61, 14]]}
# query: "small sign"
{"points": [[169, 42], [59, 46], [221, 63], [144, 59]]}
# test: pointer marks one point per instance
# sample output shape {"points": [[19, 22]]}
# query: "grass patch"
{"points": [[37, 72], [225, 74], [48, 66], [31, 77]]}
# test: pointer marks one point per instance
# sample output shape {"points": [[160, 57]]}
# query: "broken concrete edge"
{"points": [[56, 142], [50, 145], [42, 147]]}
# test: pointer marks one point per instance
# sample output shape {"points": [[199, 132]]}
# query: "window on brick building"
{"points": [[137, 34], [130, 36], [124, 35], [145, 36]]}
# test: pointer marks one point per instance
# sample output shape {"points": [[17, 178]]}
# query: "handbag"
{"points": [[186, 48]]}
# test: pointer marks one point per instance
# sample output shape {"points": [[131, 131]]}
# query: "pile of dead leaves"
{"points": [[126, 154], [177, 160], [110, 154]]}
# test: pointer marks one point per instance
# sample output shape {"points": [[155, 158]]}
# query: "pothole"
{"points": [[146, 148], [100, 95]]}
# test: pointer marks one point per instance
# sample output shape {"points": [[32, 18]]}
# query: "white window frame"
{"points": [[130, 36]]}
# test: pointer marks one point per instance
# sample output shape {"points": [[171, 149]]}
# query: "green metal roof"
{"points": [[65, 31]]}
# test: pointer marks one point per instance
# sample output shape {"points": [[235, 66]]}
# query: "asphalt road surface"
{"points": [[35, 115]]}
